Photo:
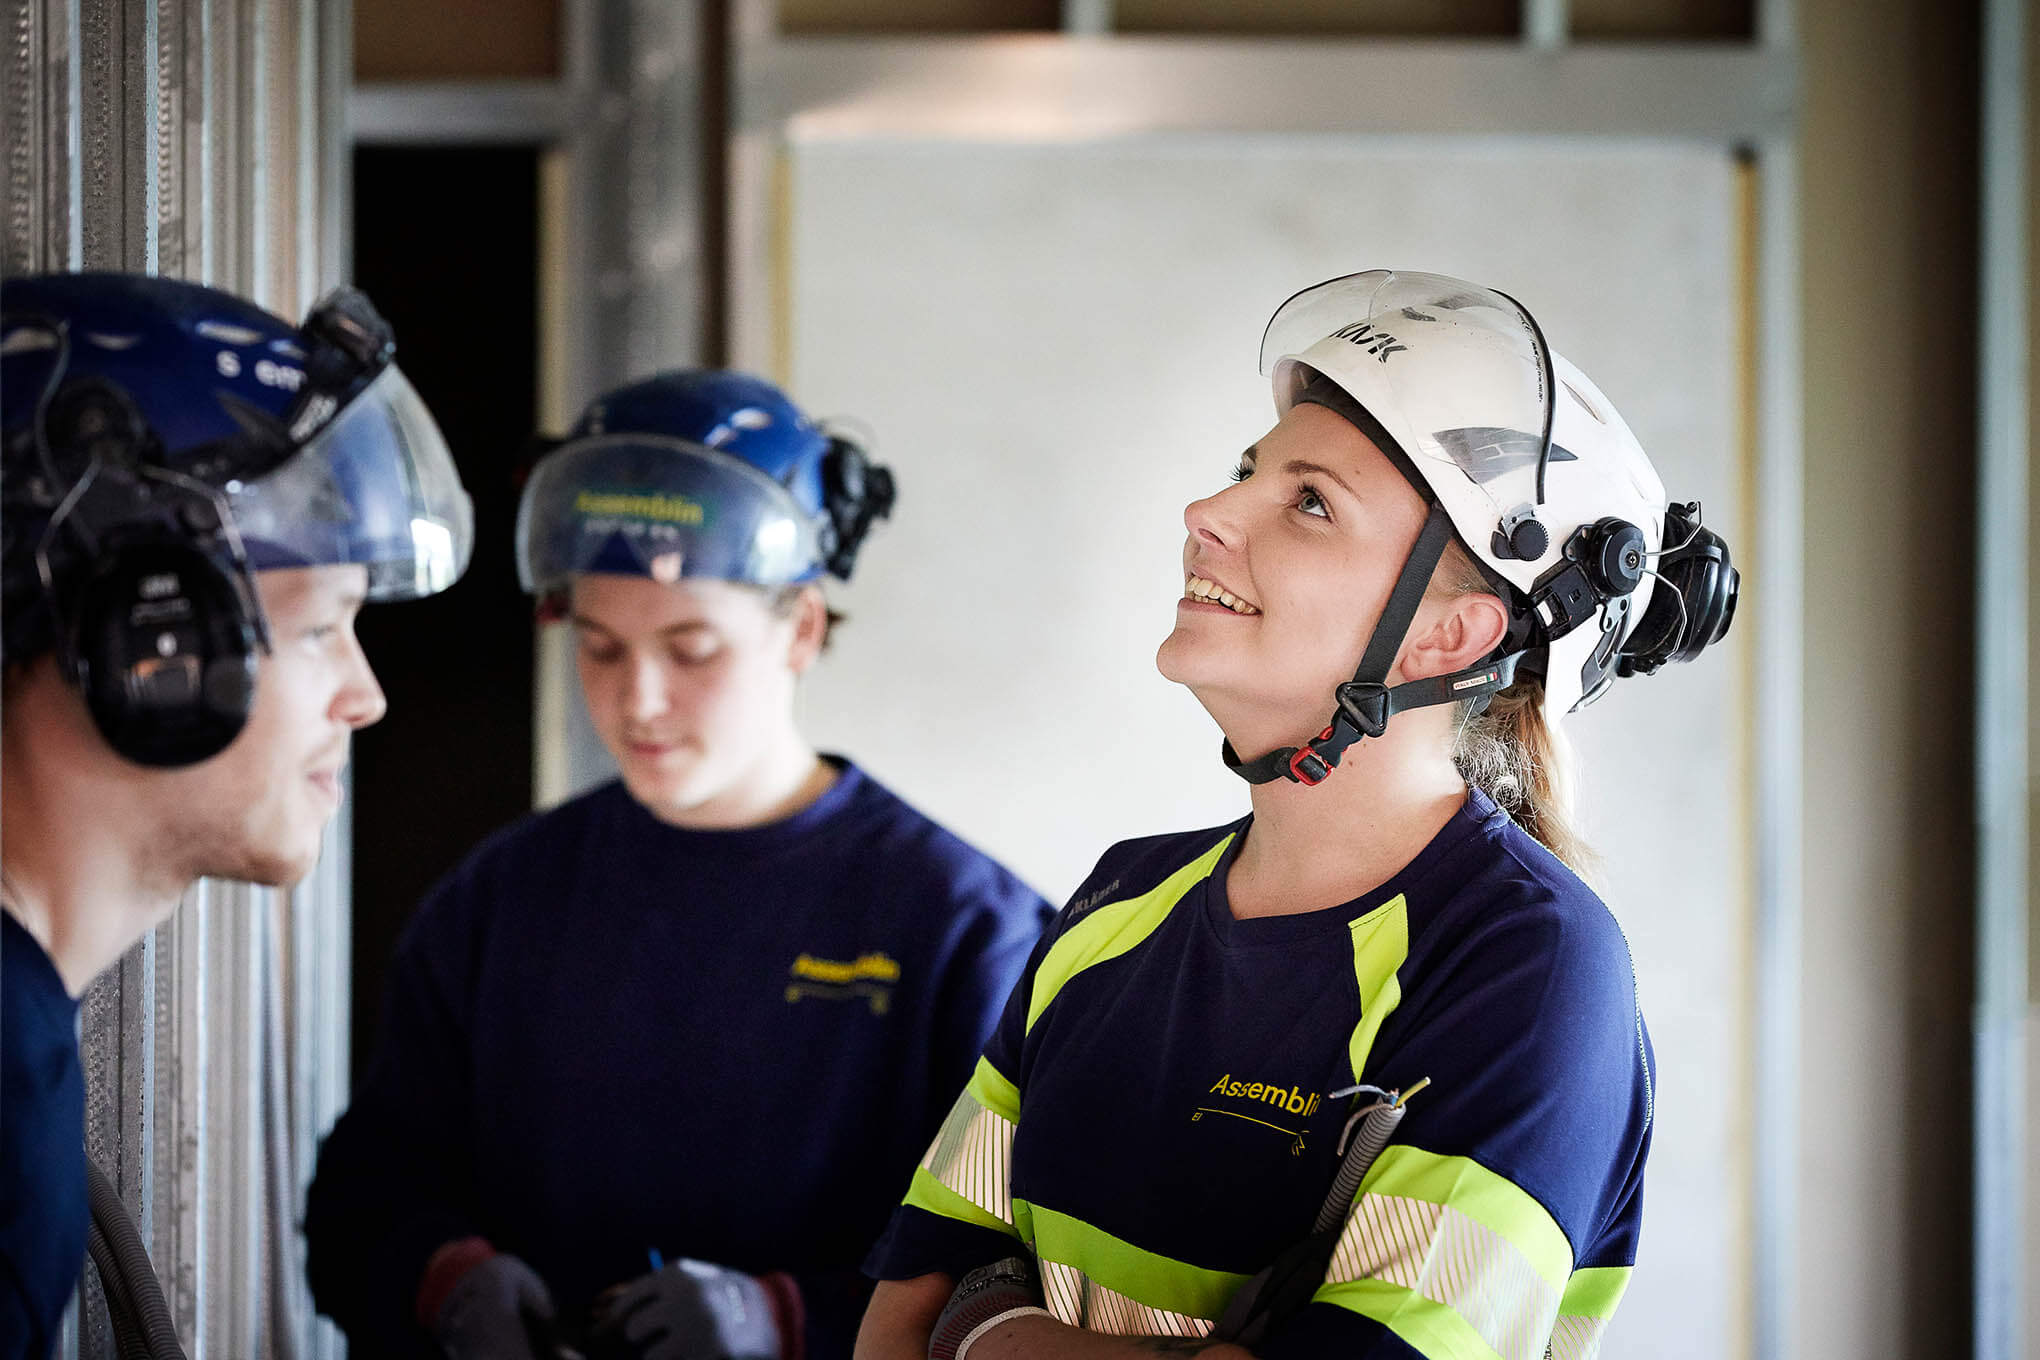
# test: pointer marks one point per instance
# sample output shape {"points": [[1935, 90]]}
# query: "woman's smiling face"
{"points": [[1287, 570]]}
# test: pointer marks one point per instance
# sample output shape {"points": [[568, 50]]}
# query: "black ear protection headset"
{"points": [[159, 638], [856, 493], [1694, 611], [1602, 566]]}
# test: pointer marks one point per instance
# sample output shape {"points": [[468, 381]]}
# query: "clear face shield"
{"points": [[647, 505], [1466, 367], [375, 486]]}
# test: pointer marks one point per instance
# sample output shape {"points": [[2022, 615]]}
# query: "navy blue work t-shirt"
{"points": [[42, 1147], [605, 1035], [1155, 1117]]}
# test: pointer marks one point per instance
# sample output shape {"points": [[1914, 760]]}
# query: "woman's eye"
{"points": [[1311, 503], [602, 654], [695, 656], [1241, 472]]}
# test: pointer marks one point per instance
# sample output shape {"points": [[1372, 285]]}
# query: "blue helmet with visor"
{"points": [[163, 440], [700, 473]]}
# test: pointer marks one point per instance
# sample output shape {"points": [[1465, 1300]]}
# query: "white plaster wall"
{"points": [[1054, 348]]}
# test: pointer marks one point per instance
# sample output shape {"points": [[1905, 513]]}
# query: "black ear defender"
{"points": [[157, 636], [1695, 600], [856, 493], [163, 648]]}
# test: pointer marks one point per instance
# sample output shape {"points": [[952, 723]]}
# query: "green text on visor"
{"points": [[375, 486], [644, 505]]}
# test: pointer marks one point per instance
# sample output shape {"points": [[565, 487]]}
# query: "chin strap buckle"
{"points": [[1308, 767]]}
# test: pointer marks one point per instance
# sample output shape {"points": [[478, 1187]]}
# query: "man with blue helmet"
{"points": [[198, 497], [650, 1060]]}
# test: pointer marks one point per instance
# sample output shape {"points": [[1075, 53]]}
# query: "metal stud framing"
{"points": [[2003, 776]]}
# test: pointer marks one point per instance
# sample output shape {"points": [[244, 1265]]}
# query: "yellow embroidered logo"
{"points": [[870, 976], [1277, 1100]]}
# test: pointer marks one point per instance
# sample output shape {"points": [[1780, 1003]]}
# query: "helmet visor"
{"points": [[648, 505], [375, 486], [1466, 369]]}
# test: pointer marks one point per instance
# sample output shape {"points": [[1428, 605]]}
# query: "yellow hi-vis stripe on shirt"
{"points": [[1113, 929], [1381, 945], [968, 1172], [1454, 1259], [1098, 1282], [1590, 1299]]}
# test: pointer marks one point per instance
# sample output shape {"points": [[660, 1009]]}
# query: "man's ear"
{"points": [[1452, 635]]}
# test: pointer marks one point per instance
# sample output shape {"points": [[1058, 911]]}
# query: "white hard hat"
{"points": [[1461, 379], [1529, 465]]}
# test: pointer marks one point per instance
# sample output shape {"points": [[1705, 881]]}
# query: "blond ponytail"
{"points": [[1510, 752]]}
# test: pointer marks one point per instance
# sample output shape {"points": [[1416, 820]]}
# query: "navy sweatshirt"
{"points": [[42, 1147], [605, 1035], [1158, 1115]]}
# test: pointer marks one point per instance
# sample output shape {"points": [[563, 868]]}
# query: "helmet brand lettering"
{"points": [[161, 584], [1379, 343], [272, 374], [640, 505]]}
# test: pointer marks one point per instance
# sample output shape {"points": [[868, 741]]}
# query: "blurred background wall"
{"points": [[549, 196]]}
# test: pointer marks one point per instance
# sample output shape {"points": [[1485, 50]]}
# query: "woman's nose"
{"points": [[1209, 522]]}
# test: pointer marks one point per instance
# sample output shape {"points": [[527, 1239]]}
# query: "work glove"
{"points": [[694, 1310], [981, 1301], [497, 1309]]}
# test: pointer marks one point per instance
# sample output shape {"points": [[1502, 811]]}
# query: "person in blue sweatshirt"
{"points": [[1364, 1073], [198, 497], [652, 1063]]}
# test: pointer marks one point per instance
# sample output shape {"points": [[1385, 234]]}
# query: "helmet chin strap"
{"points": [[1367, 701]]}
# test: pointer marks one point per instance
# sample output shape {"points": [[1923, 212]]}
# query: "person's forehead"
{"points": [[640, 604], [1318, 435], [290, 588]]}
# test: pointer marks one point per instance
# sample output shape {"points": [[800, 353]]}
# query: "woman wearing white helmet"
{"points": [[1363, 1073]]}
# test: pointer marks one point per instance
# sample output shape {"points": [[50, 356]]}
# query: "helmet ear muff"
{"points": [[856, 493], [1695, 601], [162, 646]]}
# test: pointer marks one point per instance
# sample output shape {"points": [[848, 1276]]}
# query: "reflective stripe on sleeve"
{"points": [[1105, 1284], [1590, 1299], [968, 1172], [973, 1154], [1451, 1257], [1080, 1301]]}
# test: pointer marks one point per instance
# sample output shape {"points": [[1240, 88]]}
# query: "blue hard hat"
{"points": [[702, 473], [130, 402]]}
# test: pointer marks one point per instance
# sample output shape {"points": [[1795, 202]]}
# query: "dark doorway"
{"points": [[446, 243]]}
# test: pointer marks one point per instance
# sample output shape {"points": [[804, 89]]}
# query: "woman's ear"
{"points": [[1452, 634], [810, 629]]}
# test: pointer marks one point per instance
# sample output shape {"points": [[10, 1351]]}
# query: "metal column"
{"points": [[2002, 1274]]}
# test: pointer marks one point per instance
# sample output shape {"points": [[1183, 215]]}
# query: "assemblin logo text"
{"points": [[1282, 1097]]}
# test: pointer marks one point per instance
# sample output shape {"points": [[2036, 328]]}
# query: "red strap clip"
{"points": [[1309, 768]]}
